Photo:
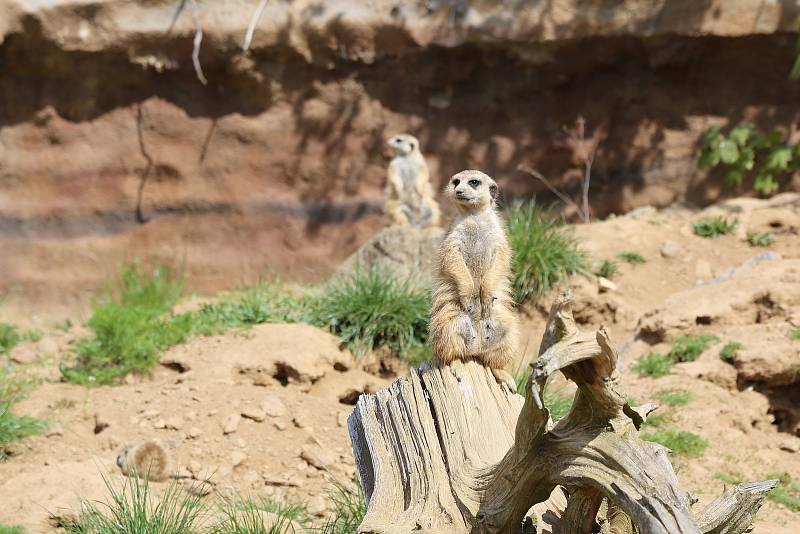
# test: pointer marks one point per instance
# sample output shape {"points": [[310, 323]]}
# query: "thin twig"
{"points": [[198, 38], [146, 173], [253, 22], [175, 16], [536, 174], [587, 177]]}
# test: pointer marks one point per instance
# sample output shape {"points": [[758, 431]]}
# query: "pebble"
{"points": [[280, 425], [318, 458], [55, 430], [160, 423], [174, 423], [273, 406], [317, 505], [301, 420], [231, 423], [22, 355], [237, 458], [604, 285], [671, 249], [255, 414], [194, 432], [47, 346]]}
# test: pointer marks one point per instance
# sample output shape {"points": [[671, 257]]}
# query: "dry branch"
{"points": [[251, 28], [447, 449]]}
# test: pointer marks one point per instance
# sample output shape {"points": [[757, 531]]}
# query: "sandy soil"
{"points": [[263, 411]]}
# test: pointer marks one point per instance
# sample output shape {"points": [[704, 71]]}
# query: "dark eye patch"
{"points": [[474, 183], [456, 182]]}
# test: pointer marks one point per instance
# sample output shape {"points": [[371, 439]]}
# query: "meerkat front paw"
{"points": [[504, 377]]}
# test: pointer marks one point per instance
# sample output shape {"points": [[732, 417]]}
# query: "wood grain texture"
{"points": [[447, 449]]}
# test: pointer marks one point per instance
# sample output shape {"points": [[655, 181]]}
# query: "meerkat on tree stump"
{"points": [[409, 195], [471, 312]]}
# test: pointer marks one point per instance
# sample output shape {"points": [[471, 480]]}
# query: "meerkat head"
{"points": [[472, 190], [403, 144]]}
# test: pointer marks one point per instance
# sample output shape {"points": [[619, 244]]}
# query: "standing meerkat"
{"points": [[408, 192], [471, 311], [148, 459]]}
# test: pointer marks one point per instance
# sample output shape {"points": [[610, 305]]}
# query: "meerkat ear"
{"points": [[493, 191]]}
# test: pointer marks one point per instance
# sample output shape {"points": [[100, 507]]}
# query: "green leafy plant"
{"points": [[759, 239], [14, 427], [745, 152], [689, 348], [370, 308], [714, 227], [675, 397], [654, 365], [545, 251], [630, 256], [680, 442], [729, 351], [9, 337], [607, 269], [129, 329]]}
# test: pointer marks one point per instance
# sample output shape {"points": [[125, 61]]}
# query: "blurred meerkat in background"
{"points": [[409, 198]]}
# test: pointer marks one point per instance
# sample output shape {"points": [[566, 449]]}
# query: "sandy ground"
{"points": [[262, 411]]}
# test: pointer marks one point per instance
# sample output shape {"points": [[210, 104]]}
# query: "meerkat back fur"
{"points": [[148, 459], [471, 311], [408, 192]]}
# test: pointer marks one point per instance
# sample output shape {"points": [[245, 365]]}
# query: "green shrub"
{"points": [[370, 309], [744, 152], [607, 269], [714, 227], [14, 427], [759, 239], [689, 348], [630, 256], [9, 337], [680, 442], [654, 365], [675, 397], [729, 351], [544, 251], [130, 329]]}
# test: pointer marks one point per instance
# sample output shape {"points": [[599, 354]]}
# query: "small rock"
{"points": [[23, 355], [273, 406], [317, 505], [318, 458], [100, 423], [256, 414], [194, 467], [194, 432], [302, 420], [671, 249], [149, 414], [55, 430], [174, 423], [160, 423], [237, 458], [231, 423], [604, 285], [702, 270], [789, 446], [280, 425], [46, 346]]}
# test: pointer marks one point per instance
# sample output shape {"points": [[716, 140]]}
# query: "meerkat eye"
{"points": [[474, 183], [456, 182]]}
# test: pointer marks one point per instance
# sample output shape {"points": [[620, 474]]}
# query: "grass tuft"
{"points": [[260, 516], [371, 308], [689, 348], [759, 239], [714, 227], [9, 337], [675, 397], [630, 256], [729, 351], [349, 508], [545, 251], [680, 442], [654, 365], [607, 269], [5, 529], [129, 330], [14, 427]]}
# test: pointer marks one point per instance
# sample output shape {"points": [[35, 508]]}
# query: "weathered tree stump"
{"points": [[447, 449]]}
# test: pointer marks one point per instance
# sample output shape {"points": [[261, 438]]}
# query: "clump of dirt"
{"points": [[263, 411]]}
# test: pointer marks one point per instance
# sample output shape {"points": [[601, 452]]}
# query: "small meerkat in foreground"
{"points": [[408, 192], [148, 459], [471, 311]]}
